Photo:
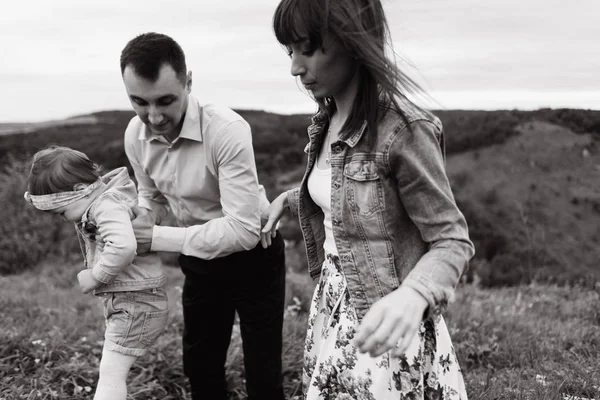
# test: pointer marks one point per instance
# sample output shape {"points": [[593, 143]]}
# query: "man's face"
{"points": [[160, 104]]}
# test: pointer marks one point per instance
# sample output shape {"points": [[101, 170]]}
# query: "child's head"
{"points": [[60, 180], [57, 169]]}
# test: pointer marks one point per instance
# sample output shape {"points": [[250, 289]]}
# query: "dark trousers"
{"points": [[253, 284]]}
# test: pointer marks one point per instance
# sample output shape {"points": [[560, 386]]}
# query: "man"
{"points": [[197, 162]]}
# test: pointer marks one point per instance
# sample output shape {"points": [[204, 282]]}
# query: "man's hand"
{"points": [[143, 227], [87, 282]]}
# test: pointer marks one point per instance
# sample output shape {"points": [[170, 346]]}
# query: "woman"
{"points": [[382, 230]]}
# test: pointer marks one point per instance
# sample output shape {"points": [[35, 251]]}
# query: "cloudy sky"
{"points": [[60, 58]]}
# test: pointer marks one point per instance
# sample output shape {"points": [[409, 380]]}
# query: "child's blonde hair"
{"points": [[58, 169]]}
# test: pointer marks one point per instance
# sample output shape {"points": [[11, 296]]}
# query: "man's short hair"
{"points": [[148, 52]]}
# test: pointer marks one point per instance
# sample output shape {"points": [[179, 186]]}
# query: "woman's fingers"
{"points": [[386, 326], [391, 323], [265, 239], [386, 337], [370, 322], [266, 233], [405, 341], [269, 230], [272, 215]]}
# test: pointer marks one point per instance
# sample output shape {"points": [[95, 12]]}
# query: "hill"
{"points": [[526, 180], [534, 204]]}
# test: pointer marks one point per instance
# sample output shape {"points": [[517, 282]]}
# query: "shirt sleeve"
{"points": [[239, 227], [113, 221], [425, 191], [149, 196]]}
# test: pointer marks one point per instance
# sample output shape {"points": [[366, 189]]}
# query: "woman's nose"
{"points": [[298, 68]]}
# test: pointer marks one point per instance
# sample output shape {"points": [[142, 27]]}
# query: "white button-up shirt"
{"points": [[207, 178]]}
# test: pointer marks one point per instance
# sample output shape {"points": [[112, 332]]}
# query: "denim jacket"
{"points": [[394, 217], [108, 242]]}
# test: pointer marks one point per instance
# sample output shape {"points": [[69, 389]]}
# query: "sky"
{"points": [[60, 58]]}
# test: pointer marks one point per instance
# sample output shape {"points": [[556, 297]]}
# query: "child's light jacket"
{"points": [[108, 240]]}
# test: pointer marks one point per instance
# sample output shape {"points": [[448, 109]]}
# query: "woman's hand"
{"points": [[270, 217], [391, 323], [87, 282]]}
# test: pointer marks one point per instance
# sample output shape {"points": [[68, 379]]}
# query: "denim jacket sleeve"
{"points": [[113, 222], [418, 162], [293, 200]]}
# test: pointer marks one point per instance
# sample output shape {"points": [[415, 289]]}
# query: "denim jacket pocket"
{"points": [[363, 187]]}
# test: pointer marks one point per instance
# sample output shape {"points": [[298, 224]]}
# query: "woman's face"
{"points": [[325, 71]]}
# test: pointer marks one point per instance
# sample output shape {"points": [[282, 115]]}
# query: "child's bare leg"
{"points": [[114, 367]]}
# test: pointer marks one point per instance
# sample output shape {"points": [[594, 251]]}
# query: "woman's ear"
{"points": [[79, 186]]}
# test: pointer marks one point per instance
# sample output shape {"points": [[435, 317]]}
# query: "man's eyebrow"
{"points": [[166, 96]]}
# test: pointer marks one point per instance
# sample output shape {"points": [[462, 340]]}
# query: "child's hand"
{"points": [[87, 282]]}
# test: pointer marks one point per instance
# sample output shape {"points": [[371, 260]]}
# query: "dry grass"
{"points": [[527, 342]]}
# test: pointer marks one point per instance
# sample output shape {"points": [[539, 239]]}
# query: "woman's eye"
{"points": [[307, 48]]}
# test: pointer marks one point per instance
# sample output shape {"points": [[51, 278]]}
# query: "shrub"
{"points": [[26, 234], [506, 269]]}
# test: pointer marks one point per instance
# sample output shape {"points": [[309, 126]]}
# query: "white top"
{"points": [[319, 188]]}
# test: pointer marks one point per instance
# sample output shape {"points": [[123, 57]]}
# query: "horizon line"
{"points": [[242, 109]]}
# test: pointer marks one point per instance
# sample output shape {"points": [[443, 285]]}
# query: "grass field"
{"points": [[527, 342]]}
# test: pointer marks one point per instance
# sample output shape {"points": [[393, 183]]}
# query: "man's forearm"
{"points": [[216, 238]]}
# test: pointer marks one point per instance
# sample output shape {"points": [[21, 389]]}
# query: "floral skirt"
{"points": [[334, 369]]}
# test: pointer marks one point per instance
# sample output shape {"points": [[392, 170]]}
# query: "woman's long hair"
{"points": [[362, 28]]}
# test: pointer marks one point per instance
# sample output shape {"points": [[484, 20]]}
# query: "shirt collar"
{"points": [[191, 128]]}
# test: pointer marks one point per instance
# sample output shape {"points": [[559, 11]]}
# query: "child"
{"points": [[66, 182]]}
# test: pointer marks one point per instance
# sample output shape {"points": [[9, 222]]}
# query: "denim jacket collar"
{"points": [[320, 120]]}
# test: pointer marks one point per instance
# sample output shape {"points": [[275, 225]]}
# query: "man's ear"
{"points": [[188, 82], [79, 186]]}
